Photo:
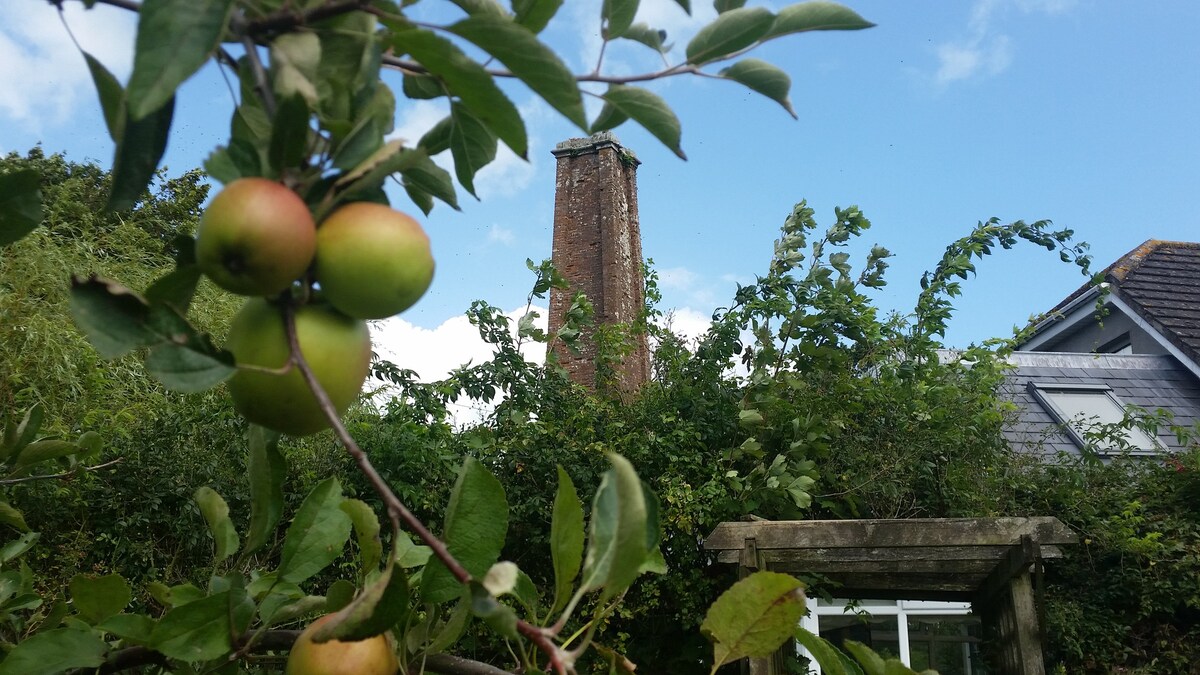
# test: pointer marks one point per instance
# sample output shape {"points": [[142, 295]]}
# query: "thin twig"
{"points": [[261, 86], [72, 472], [415, 68]]}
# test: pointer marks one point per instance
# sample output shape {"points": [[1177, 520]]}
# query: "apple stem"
{"points": [[397, 512]]}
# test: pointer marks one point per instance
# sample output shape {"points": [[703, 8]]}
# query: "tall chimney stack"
{"points": [[598, 248]]}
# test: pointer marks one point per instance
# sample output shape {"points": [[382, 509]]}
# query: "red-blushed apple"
{"points": [[372, 261], [373, 656], [336, 347], [255, 238]]}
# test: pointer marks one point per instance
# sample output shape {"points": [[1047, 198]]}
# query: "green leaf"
{"points": [[52, 652], [317, 534], [472, 145], [20, 204], [18, 546], [290, 610], [535, 64], [831, 660], [340, 594], [27, 430], [266, 468], [497, 615], [422, 87], [872, 663], [174, 38], [535, 14], [649, 110], [408, 554], [616, 16], [380, 606], [437, 138], [815, 15], [237, 160], [566, 538], [480, 7], [728, 33], [98, 598], [420, 172], [469, 81], [135, 628], [112, 97], [289, 133], [141, 146], [754, 617], [216, 514], [476, 524], [617, 546], [366, 529], [295, 66], [42, 451], [197, 631], [764, 78], [723, 6], [11, 516], [116, 321], [176, 288], [651, 37]]}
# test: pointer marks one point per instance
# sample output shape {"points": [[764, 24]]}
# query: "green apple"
{"points": [[373, 656], [336, 347], [372, 261], [255, 238]]}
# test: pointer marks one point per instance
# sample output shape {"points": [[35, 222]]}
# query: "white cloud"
{"points": [[434, 352], [680, 278], [986, 50], [44, 77], [501, 235]]}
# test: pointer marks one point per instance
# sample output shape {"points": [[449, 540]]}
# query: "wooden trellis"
{"points": [[994, 563]]}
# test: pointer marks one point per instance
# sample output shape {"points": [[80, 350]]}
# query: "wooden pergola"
{"points": [[994, 563]]}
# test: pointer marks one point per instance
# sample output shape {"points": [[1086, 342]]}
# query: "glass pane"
{"points": [[1084, 409], [947, 644], [879, 632]]}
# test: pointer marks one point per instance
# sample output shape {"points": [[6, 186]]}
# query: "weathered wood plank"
{"points": [[949, 554], [888, 533], [1014, 563]]}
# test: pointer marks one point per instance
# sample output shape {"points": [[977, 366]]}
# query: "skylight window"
{"points": [[1084, 410]]}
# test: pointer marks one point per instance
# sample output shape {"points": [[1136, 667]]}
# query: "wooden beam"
{"points": [[1015, 562], [910, 553], [794, 534]]}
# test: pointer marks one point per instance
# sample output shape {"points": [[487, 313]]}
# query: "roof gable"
{"points": [[1160, 280]]}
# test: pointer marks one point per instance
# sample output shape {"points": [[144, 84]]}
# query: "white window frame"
{"points": [[901, 609]]}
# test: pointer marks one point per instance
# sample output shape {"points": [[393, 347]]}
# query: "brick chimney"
{"points": [[598, 248]]}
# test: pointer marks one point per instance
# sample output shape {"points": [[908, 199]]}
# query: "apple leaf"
{"points": [[468, 80], [815, 15], [566, 538], [55, 651], [766, 79], [197, 631], [753, 617], [472, 145], [535, 64], [830, 658], [366, 530], [616, 17], [730, 32], [379, 606], [647, 109], [476, 524], [98, 598], [20, 204], [112, 96], [216, 514], [139, 149], [266, 468], [535, 14], [174, 38], [617, 544], [317, 534]]}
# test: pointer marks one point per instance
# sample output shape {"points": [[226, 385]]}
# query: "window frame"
{"points": [[1042, 393]]}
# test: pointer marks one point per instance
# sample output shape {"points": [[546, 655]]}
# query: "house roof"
{"points": [[1160, 281], [1148, 381]]}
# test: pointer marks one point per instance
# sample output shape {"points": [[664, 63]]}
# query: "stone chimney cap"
{"points": [[573, 147]]}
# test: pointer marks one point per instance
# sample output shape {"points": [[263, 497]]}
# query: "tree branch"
{"points": [[396, 510], [64, 474]]}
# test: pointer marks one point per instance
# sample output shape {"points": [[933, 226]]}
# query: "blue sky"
{"points": [[944, 114]]}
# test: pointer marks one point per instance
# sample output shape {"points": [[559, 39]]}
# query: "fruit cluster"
{"points": [[365, 261]]}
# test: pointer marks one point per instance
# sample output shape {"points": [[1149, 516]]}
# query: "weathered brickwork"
{"points": [[598, 248]]}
